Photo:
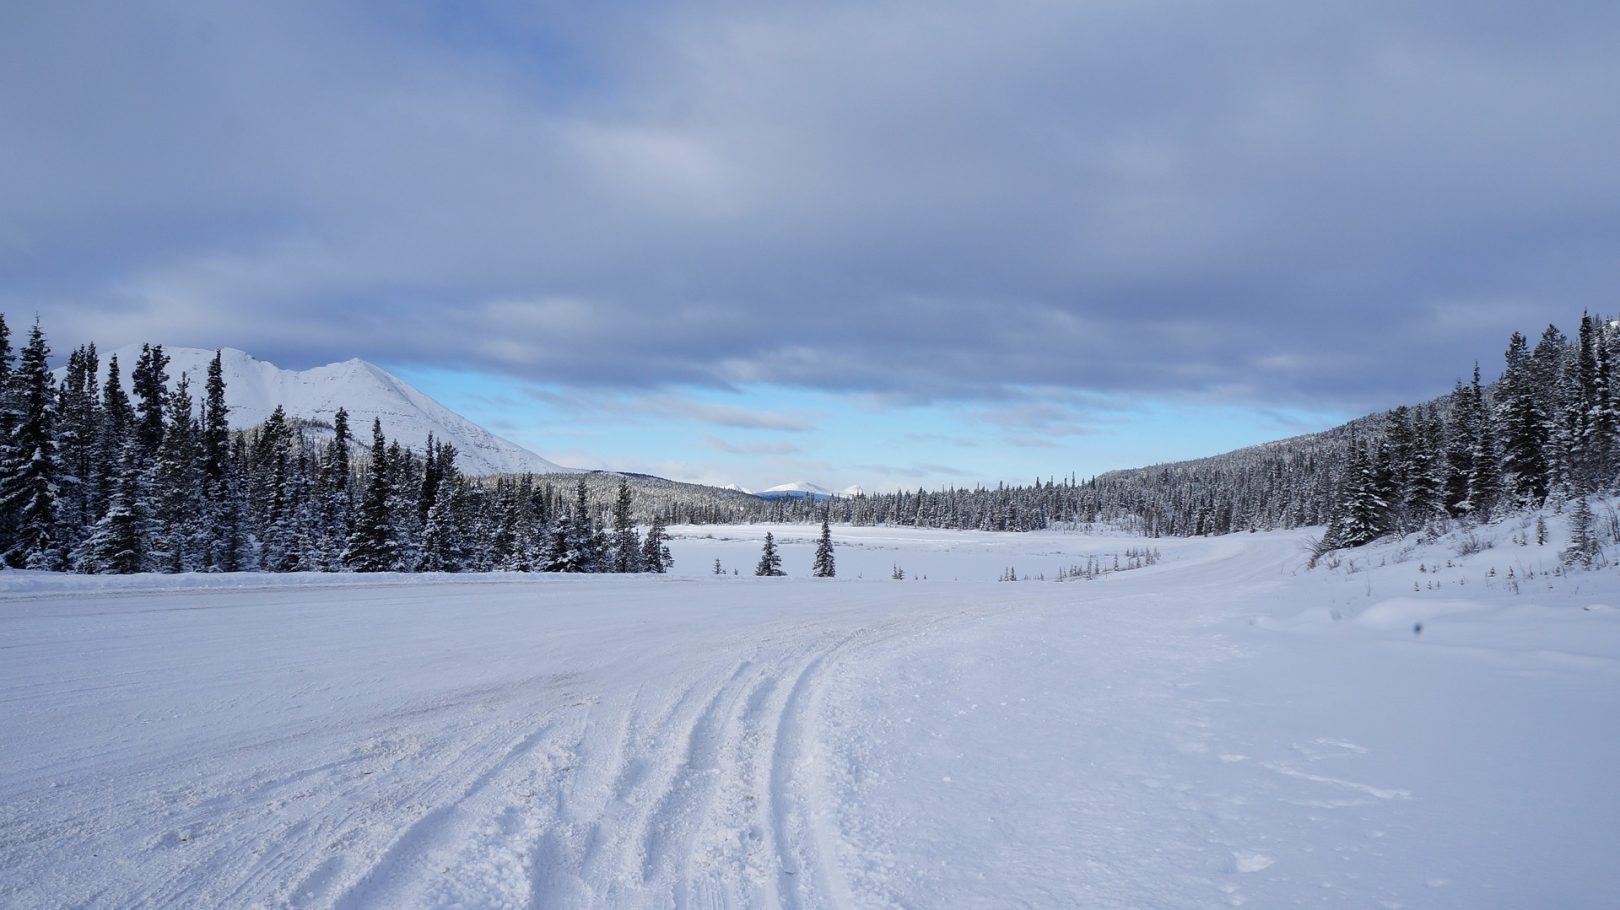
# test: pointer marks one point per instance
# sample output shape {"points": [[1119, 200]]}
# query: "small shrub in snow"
{"points": [[1472, 543]]}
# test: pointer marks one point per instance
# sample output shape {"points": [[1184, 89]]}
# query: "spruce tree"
{"points": [[150, 384], [28, 471], [335, 506], [770, 561], [182, 529], [373, 546], [270, 487], [232, 549], [1360, 516], [1583, 542], [429, 492], [112, 434], [116, 544], [78, 411], [1523, 430], [1485, 482], [1461, 431], [443, 546], [655, 556], [1425, 488], [824, 566], [216, 428], [508, 547], [627, 547]]}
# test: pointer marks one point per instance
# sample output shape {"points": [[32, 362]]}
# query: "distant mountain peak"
{"points": [[253, 389], [799, 486]]}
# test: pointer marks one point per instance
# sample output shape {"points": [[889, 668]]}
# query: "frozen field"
{"points": [[1222, 728]]}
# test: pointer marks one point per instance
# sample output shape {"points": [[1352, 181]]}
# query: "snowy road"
{"points": [[740, 742]]}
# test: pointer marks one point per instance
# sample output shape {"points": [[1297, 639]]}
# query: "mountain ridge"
{"points": [[254, 387]]}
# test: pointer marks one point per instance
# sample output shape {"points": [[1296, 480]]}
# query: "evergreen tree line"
{"points": [[1547, 431], [97, 479]]}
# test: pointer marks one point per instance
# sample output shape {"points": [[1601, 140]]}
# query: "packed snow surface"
{"points": [[253, 389], [1401, 728]]}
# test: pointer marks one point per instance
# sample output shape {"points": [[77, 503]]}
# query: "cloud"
{"points": [[919, 471], [1275, 203], [751, 448]]}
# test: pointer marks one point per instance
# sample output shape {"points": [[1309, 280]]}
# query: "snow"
{"points": [[1223, 728], [254, 387]]}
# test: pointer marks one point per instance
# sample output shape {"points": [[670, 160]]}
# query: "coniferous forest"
{"points": [[96, 478]]}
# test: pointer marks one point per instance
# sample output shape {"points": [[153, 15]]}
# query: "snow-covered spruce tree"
{"points": [[231, 544], [443, 548], [116, 544], [573, 539], [149, 382], [1461, 436], [1485, 480], [78, 411], [220, 510], [372, 545], [405, 473], [181, 531], [1396, 458], [627, 551], [113, 432], [655, 556], [335, 493], [770, 561], [303, 512], [1360, 518], [1524, 431], [215, 432], [824, 565], [28, 467], [1583, 541], [507, 546], [1426, 484], [428, 491], [271, 488]]}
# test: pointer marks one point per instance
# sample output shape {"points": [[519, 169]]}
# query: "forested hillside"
{"points": [[1546, 431]]}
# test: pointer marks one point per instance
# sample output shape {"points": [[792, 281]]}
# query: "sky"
{"points": [[893, 244]]}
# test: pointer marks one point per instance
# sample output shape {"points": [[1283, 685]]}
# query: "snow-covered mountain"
{"points": [[799, 489], [254, 387]]}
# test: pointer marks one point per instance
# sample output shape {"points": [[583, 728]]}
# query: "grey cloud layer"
{"points": [[1272, 201]]}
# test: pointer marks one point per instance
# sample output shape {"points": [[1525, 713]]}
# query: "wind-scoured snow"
{"points": [[253, 389], [1221, 728]]}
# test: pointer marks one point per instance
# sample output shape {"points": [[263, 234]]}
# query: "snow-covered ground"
{"points": [[1221, 728]]}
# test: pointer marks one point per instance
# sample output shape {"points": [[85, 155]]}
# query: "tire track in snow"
{"points": [[406, 856], [671, 828]]}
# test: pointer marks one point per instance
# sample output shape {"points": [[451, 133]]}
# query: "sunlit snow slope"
{"points": [[253, 388], [1220, 729]]}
